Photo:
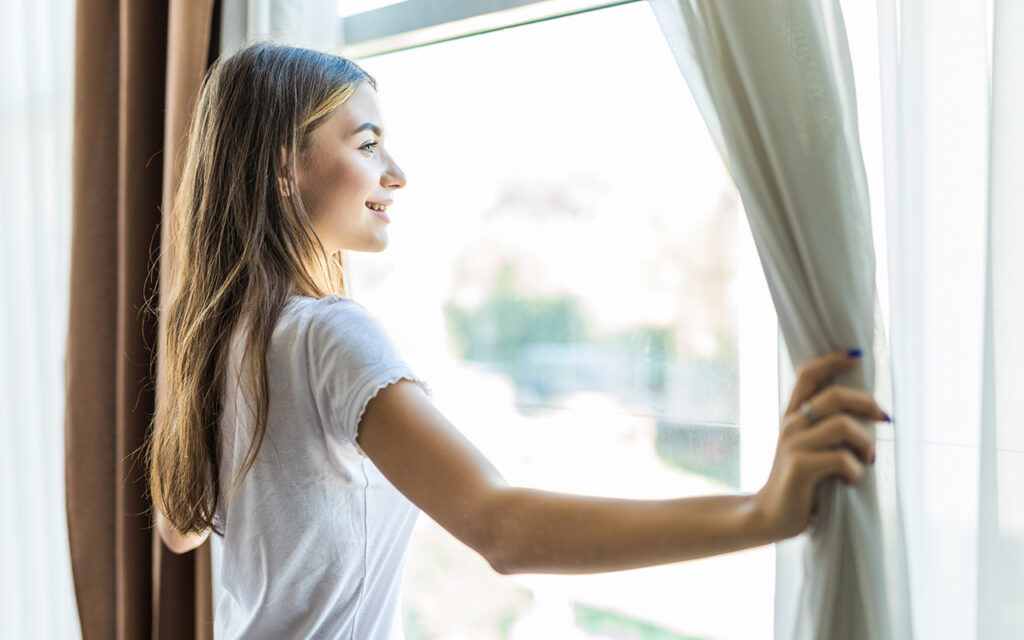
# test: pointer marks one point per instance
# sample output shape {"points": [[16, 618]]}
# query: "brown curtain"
{"points": [[138, 67]]}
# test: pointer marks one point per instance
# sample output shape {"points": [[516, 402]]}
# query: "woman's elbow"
{"points": [[499, 539]]}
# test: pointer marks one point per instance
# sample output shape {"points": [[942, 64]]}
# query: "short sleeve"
{"points": [[352, 358]]}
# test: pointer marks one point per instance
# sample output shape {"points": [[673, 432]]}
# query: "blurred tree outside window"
{"points": [[570, 267]]}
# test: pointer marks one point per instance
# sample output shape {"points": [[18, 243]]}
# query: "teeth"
{"points": [[376, 207]]}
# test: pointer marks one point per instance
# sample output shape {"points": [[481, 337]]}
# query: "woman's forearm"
{"points": [[537, 531]]}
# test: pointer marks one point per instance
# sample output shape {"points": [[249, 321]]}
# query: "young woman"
{"points": [[288, 424]]}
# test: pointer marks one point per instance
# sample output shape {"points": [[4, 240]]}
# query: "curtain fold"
{"points": [[36, 46], [774, 83], [953, 89], [137, 66], [313, 24], [1000, 594]]}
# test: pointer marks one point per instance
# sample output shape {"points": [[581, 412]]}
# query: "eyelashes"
{"points": [[369, 144]]}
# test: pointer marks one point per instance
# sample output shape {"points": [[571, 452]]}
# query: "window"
{"points": [[571, 269]]}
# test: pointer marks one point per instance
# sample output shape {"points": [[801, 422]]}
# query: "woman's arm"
{"points": [[523, 530], [547, 532], [175, 541], [520, 530]]}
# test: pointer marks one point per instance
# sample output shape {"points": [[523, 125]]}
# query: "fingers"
{"points": [[836, 399], [813, 374], [839, 398], [840, 430], [837, 462]]}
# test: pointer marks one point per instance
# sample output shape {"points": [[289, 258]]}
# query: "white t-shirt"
{"points": [[315, 539]]}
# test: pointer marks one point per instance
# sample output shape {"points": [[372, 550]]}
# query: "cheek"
{"points": [[328, 184], [361, 179], [348, 182]]}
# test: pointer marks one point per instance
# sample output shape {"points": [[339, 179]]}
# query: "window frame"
{"points": [[417, 23]]}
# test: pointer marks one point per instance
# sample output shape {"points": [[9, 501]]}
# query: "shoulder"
{"points": [[334, 318], [340, 330], [319, 315]]}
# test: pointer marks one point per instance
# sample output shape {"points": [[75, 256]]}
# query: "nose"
{"points": [[394, 177]]}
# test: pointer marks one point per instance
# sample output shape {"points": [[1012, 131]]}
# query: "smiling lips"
{"points": [[378, 210]]}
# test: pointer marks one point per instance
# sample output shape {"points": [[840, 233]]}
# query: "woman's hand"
{"points": [[176, 541], [829, 441]]}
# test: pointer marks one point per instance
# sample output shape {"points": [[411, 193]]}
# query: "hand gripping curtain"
{"points": [[774, 83]]}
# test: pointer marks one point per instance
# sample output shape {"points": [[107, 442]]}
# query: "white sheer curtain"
{"points": [[953, 95], [36, 46], [774, 82], [1000, 594], [952, 89], [303, 23]]}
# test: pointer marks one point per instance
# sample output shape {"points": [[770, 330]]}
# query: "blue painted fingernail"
{"points": [[854, 353], [872, 458], [887, 418]]}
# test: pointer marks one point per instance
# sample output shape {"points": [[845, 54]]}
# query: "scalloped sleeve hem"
{"points": [[369, 388]]}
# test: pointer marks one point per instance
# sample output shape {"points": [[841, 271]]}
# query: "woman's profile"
{"points": [[288, 423]]}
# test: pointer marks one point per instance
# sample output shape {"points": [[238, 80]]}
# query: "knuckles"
{"points": [[854, 469], [835, 396]]}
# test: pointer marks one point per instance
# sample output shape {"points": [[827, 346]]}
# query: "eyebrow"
{"points": [[369, 125]]}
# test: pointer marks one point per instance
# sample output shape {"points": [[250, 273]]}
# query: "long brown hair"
{"points": [[241, 243]]}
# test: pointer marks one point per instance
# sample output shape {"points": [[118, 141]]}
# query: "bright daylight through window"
{"points": [[571, 268]]}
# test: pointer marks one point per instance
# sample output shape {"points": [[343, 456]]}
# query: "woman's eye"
{"points": [[369, 144]]}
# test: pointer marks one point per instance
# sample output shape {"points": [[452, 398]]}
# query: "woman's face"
{"points": [[345, 168]]}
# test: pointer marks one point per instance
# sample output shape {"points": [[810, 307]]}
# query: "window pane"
{"points": [[571, 269]]}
